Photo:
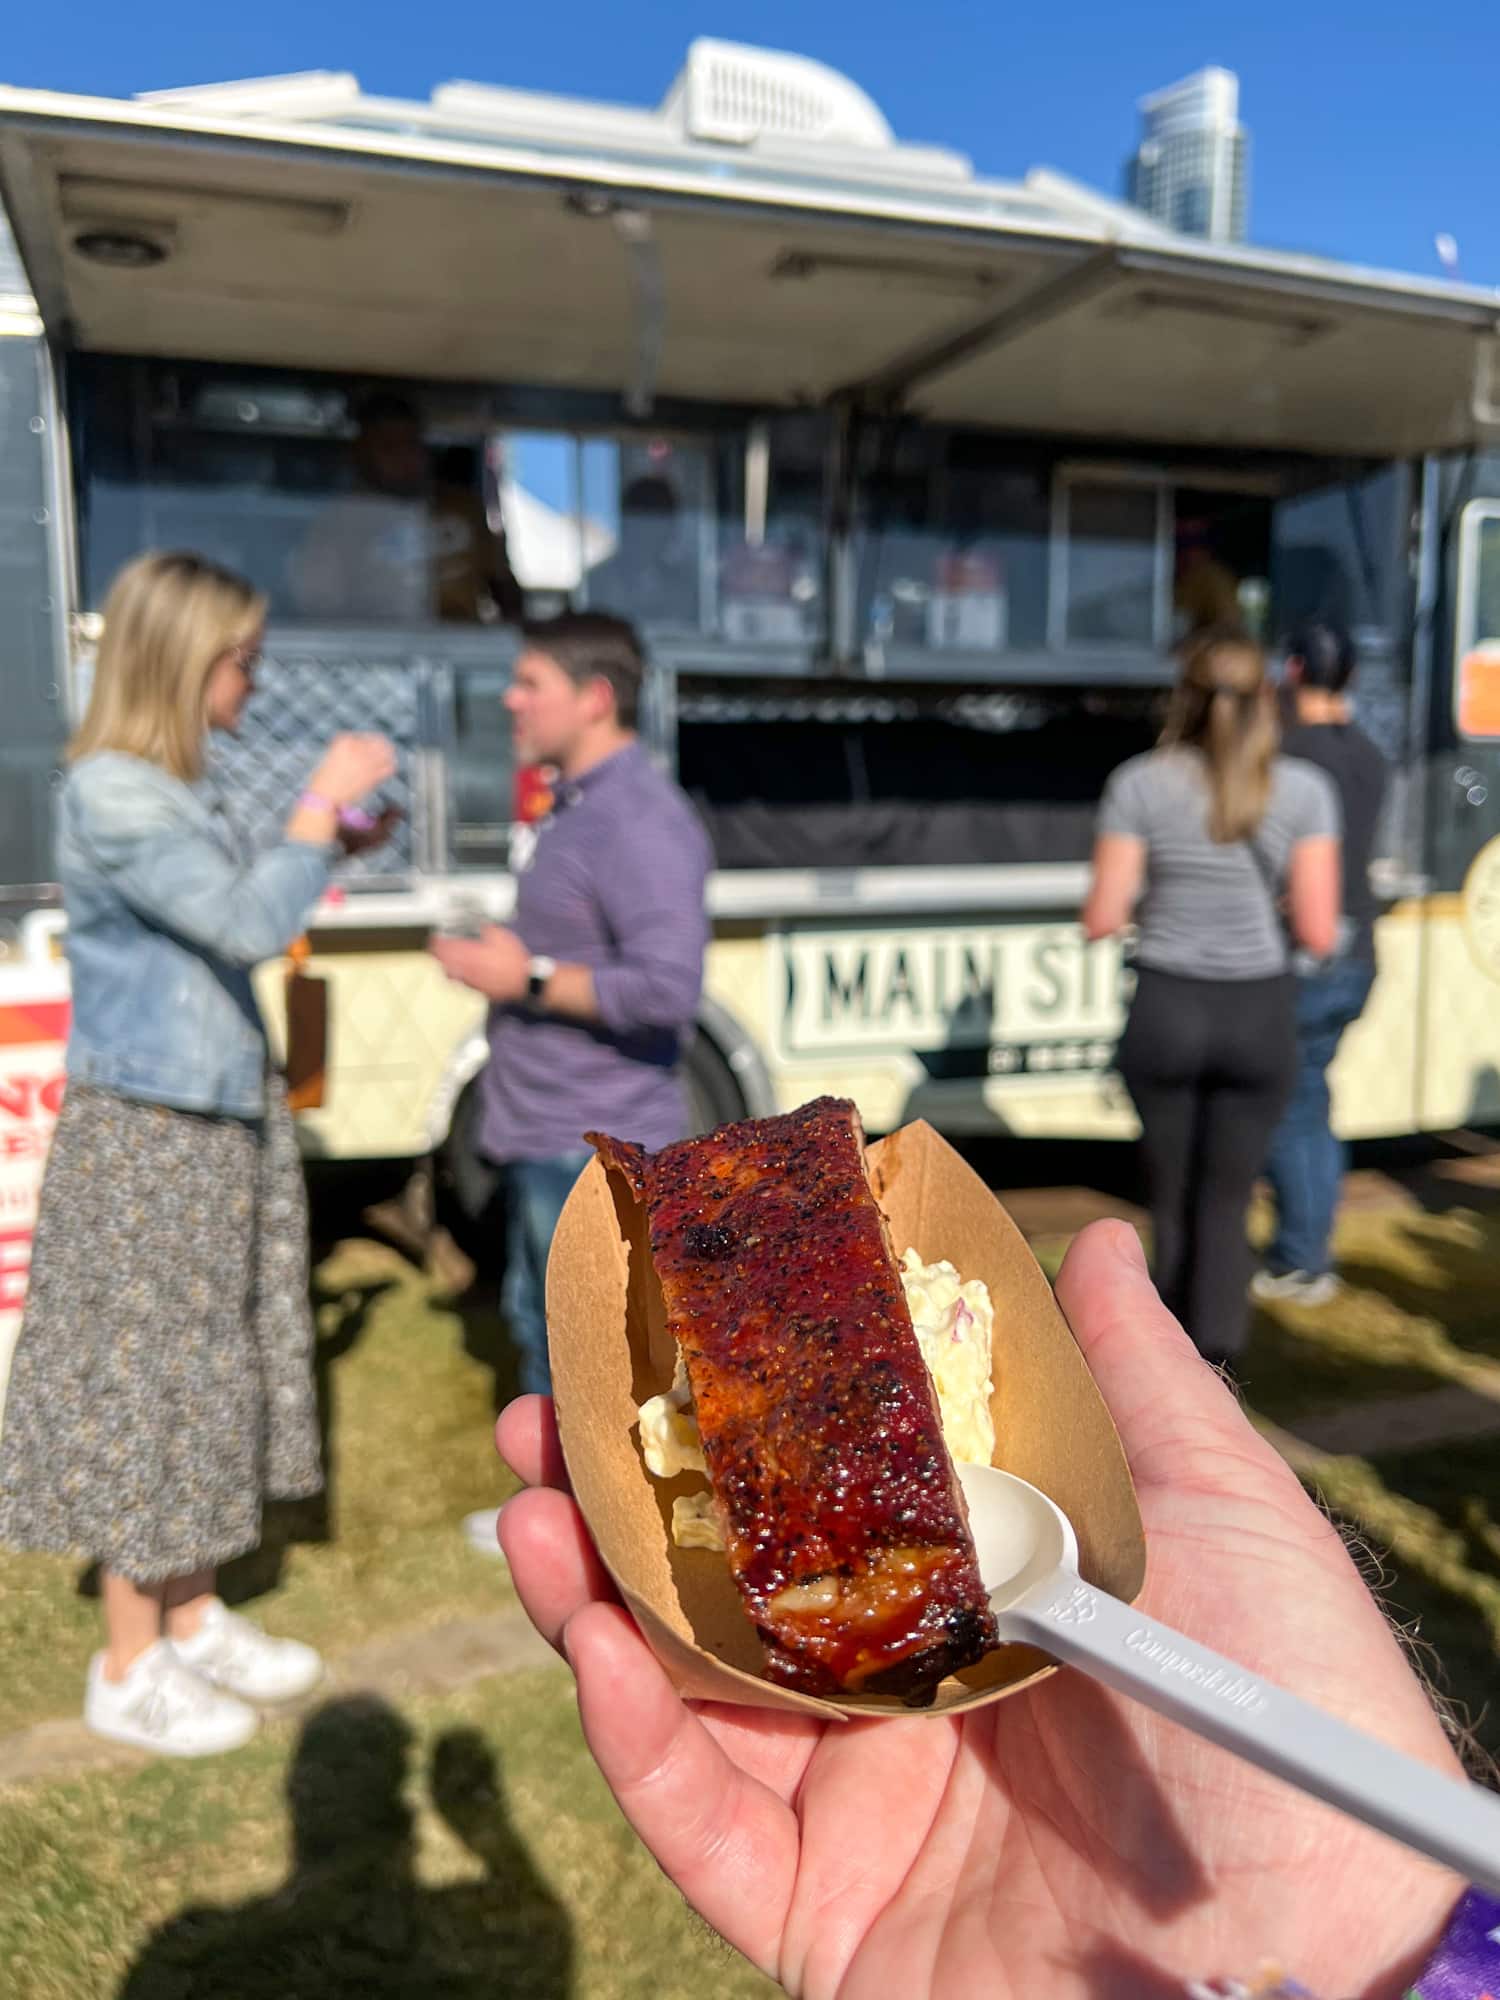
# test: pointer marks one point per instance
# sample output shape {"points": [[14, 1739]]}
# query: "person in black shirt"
{"points": [[1306, 1163]]}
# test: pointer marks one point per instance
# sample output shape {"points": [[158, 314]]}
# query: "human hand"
{"points": [[353, 766], [496, 963], [1062, 1841]]}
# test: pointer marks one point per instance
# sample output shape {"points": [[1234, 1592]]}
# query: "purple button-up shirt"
{"points": [[614, 882]]}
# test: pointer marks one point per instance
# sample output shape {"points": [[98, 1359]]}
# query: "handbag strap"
{"points": [[1298, 959], [1269, 883]]}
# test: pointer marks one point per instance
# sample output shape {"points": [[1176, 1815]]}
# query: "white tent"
{"points": [[549, 550]]}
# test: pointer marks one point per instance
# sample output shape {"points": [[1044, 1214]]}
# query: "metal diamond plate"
{"points": [[300, 703]]}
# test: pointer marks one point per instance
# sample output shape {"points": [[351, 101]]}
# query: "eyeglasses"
{"points": [[246, 658]]}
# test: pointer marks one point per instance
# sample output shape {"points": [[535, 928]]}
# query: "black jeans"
{"points": [[1209, 1064]]}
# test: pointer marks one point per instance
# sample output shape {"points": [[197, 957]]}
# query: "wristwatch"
{"points": [[539, 972]]}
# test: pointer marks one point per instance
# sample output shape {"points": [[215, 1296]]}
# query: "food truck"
{"points": [[910, 478]]}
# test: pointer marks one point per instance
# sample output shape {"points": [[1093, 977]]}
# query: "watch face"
{"points": [[1481, 909]]}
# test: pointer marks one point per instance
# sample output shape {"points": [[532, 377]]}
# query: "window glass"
{"points": [[722, 536], [1337, 556], [481, 770], [772, 538], [351, 503], [31, 739], [650, 511], [345, 503], [1109, 564], [953, 544]]}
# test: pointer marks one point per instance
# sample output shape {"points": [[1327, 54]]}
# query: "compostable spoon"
{"points": [[1028, 1558]]}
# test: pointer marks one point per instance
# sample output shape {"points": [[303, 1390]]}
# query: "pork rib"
{"points": [[844, 1524]]}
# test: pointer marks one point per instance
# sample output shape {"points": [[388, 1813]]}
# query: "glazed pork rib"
{"points": [[844, 1524]]}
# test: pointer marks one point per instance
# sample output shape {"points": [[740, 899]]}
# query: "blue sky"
{"points": [[1372, 125]]}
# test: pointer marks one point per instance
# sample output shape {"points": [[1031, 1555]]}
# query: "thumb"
{"points": [[1163, 1396]]}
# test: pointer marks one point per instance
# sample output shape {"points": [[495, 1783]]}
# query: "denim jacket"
{"points": [[166, 920]]}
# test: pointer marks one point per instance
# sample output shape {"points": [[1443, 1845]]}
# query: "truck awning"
{"points": [[150, 229]]}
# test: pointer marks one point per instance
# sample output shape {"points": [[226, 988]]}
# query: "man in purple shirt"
{"points": [[595, 985]]}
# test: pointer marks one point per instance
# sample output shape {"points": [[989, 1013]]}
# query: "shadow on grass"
{"points": [[352, 1922], [1446, 1269], [485, 1338], [1357, 1350], [476, 1224]]}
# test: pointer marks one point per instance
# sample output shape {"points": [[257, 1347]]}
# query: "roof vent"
{"points": [[736, 95]]}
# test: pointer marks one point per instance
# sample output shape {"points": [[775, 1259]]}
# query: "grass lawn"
{"points": [[1420, 1309], [1428, 1521], [457, 1850], [461, 1845], [1420, 1312]]}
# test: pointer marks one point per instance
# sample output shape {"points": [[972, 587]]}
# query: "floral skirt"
{"points": [[162, 1385]]}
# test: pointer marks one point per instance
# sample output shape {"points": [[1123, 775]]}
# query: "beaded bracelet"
{"points": [[1465, 1966]]}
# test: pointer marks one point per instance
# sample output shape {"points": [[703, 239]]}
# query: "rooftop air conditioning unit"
{"points": [[735, 95]]}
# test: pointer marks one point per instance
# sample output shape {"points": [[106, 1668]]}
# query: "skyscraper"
{"points": [[1190, 169]]}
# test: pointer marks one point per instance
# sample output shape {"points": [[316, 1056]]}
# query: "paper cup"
{"points": [[610, 1351]]}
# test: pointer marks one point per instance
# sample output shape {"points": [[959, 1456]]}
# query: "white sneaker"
{"points": [[162, 1705], [237, 1656], [481, 1531], [1297, 1288]]}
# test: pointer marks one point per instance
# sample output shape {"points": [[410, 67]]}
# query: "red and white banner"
{"points": [[33, 1037]]}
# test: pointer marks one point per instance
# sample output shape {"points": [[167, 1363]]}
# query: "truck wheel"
{"points": [[467, 1188], [713, 1091]]}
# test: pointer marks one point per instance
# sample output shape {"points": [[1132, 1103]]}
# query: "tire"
{"points": [[468, 1194], [712, 1089]]}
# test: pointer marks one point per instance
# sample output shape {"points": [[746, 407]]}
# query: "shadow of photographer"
{"points": [[352, 1922]]}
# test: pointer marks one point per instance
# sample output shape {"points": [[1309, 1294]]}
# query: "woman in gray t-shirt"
{"points": [[1215, 848]]}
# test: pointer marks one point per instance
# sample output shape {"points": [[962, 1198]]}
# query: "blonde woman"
{"points": [[162, 1386], [1217, 849]]}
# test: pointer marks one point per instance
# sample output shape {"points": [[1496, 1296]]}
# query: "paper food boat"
{"points": [[610, 1351]]}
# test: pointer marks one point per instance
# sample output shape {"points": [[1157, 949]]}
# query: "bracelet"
{"points": [[1465, 1966], [355, 818]]}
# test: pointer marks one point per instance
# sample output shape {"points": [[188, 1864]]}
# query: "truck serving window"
{"points": [[716, 537], [1476, 681], [346, 502], [1111, 561], [1016, 559], [365, 504], [951, 548]]}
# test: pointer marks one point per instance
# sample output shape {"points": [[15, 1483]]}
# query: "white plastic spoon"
{"points": [[1028, 1557]]}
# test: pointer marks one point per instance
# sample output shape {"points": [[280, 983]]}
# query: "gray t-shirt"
{"points": [[1208, 910]]}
